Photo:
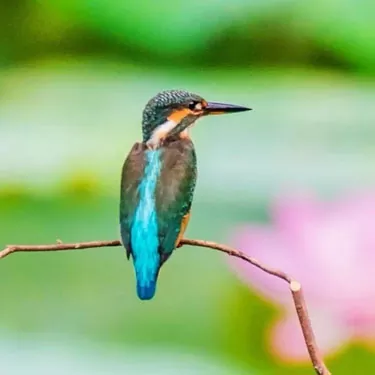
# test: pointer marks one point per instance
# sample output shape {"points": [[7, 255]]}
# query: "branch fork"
{"points": [[294, 286]]}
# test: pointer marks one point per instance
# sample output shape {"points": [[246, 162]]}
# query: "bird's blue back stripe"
{"points": [[144, 231]]}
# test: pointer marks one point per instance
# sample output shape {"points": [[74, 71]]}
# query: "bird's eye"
{"points": [[195, 106], [192, 105]]}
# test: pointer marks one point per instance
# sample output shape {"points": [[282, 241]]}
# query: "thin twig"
{"points": [[10, 249], [295, 286]]}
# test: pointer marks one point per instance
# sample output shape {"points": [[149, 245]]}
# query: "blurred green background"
{"points": [[74, 78]]}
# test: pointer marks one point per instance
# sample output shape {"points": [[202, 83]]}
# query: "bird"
{"points": [[158, 180]]}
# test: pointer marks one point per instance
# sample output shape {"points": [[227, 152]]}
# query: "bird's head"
{"points": [[171, 113]]}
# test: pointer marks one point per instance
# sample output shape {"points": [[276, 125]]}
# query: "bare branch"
{"points": [[10, 249], [295, 286]]}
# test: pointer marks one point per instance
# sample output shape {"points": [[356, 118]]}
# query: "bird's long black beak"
{"points": [[213, 108]]}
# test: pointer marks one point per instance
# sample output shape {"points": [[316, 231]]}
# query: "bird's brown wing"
{"points": [[132, 173], [174, 193]]}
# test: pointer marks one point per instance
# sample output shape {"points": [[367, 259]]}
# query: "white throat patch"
{"points": [[160, 133]]}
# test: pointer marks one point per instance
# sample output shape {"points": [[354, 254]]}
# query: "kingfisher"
{"points": [[158, 182]]}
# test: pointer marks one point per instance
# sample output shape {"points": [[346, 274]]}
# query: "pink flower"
{"points": [[330, 249]]}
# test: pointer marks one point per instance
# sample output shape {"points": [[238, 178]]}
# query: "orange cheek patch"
{"points": [[178, 115]]}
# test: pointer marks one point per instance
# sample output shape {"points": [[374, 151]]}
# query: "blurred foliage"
{"points": [[327, 33]]}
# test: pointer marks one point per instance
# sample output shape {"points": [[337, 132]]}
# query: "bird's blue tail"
{"points": [[146, 281], [146, 291], [144, 232]]}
